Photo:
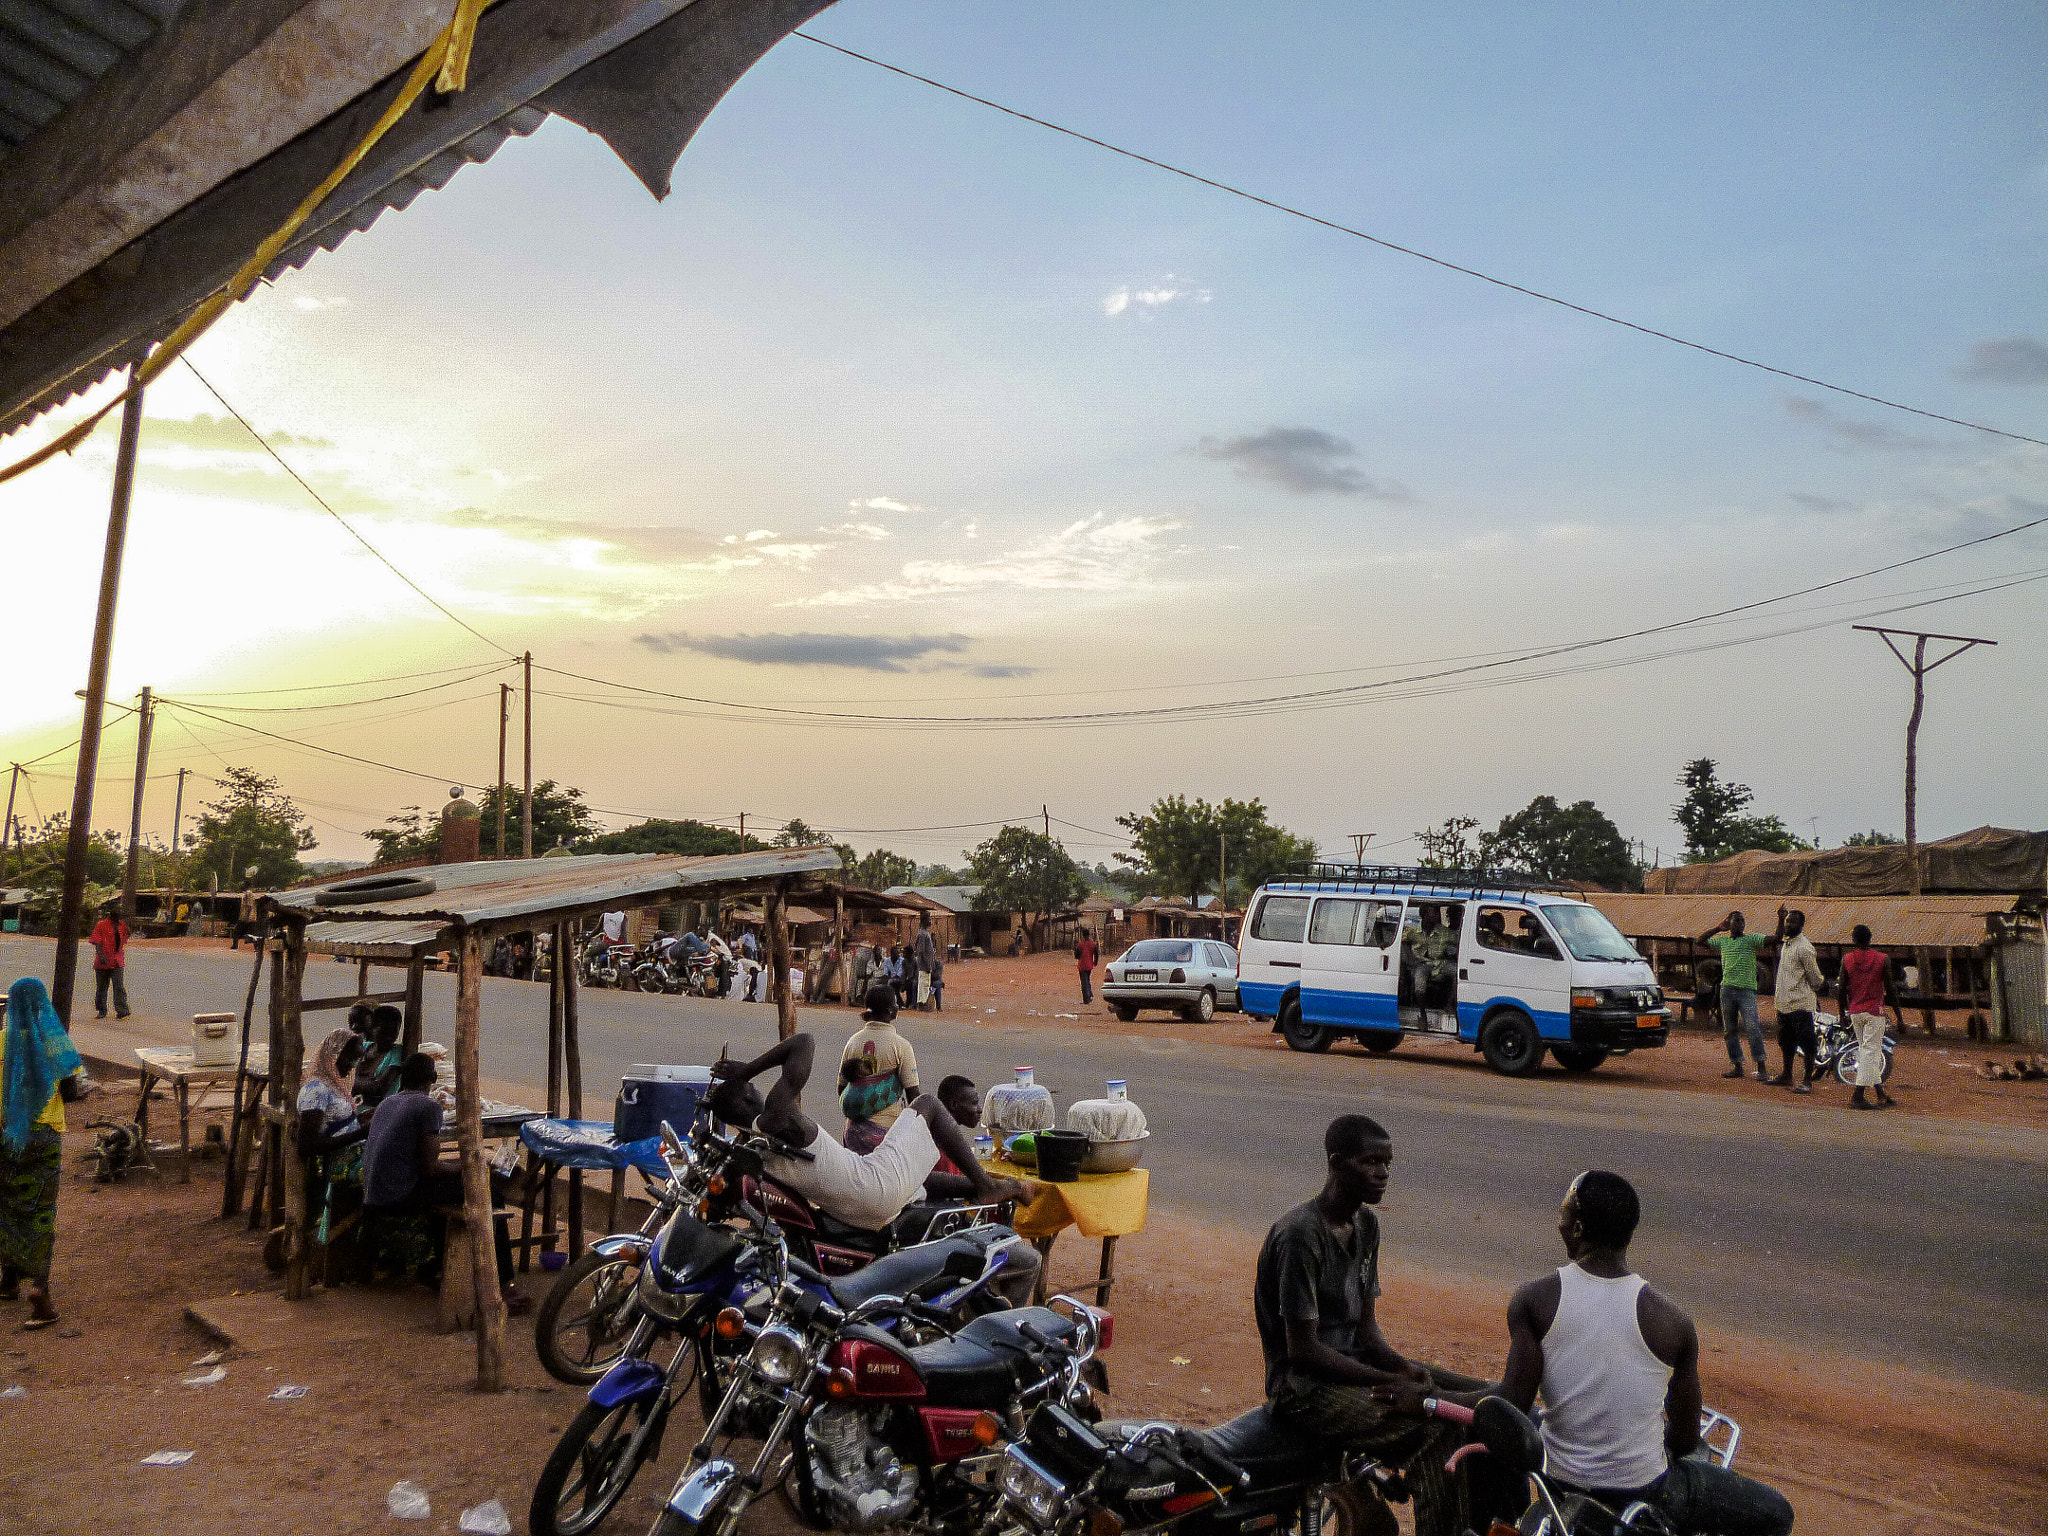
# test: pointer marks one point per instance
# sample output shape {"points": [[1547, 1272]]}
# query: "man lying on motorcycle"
{"points": [[1619, 1367], [1329, 1371], [867, 1191]]}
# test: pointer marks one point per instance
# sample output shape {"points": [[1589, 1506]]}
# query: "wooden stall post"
{"points": [[415, 1003], [778, 959], [476, 1177], [267, 1210], [842, 970], [242, 1130], [572, 1071], [1923, 960], [362, 978], [287, 1067]]}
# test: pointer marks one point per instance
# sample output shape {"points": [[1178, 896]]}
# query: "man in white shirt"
{"points": [[1800, 984], [1618, 1365]]}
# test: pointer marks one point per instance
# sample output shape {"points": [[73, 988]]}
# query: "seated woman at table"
{"points": [[331, 1132], [377, 1072], [405, 1183]]}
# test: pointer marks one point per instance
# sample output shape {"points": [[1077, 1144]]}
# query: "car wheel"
{"points": [[1125, 1012], [1379, 1041], [1203, 1009], [1511, 1044], [1579, 1058], [1301, 1036]]}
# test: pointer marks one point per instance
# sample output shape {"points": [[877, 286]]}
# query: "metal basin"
{"points": [[1114, 1156]]}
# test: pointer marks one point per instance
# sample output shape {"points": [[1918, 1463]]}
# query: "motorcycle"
{"points": [[1836, 1050], [588, 1314], [696, 1292], [880, 1430], [611, 966]]}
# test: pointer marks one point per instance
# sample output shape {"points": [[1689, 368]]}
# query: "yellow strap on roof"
{"points": [[445, 64]]}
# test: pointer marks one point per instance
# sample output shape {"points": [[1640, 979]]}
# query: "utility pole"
{"points": [[177, 827], [71, 907], [7, 826], [1919, 666], [1222, 875], [1360, 841], [526, 809], [504, 715], [1046, 812], [743, 831], [144, 719]]}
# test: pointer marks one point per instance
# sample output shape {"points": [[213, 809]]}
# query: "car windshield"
{"points": [[1162, 951], [1589, 935]]}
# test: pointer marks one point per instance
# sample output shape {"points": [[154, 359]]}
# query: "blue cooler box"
{"points": [[649, 1095]]}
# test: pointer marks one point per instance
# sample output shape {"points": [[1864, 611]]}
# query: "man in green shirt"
{"points": [[1738, 952]]}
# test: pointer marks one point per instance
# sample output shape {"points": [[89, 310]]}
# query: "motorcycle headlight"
{"points": [[1031, 1488], [778, 1356]]}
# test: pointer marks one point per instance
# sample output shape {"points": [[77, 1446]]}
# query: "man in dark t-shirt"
{"points": [[402, 1169], [1329, 1369]]}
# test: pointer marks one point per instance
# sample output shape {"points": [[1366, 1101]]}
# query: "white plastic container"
{"points": [[654, 1072], [216, 1039]]}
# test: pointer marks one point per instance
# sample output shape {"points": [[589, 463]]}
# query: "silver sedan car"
{"points": [[1193, 977]]}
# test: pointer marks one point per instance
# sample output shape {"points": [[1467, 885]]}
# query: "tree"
{"points": [[1024, 871], [38, 858], [1179, 842], [1711, 817], [1446, 846], [1562, 842], [560, 820], [1871, 839], [691, 837], [252, 832], [880, 869]]}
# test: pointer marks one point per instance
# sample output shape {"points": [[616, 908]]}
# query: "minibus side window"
{"points": [[1335, 922], [1282, 919]]}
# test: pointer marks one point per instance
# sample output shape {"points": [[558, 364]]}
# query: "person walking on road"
{"points": [[1738, 952], [1799, 987], [109, 942], [245, 917], [1085, 956], [924, 957], [38, 1066], [1866, 989]]}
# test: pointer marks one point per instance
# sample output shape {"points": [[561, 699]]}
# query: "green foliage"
{"points": [[880, 869], [1872, 839], [941, 874], [252, 832], [1561, 842], [560, 820], [1764, 834], [1024, 871], [1711, 817], [691, 837], [38, 859], [1177, 844], [1448, 845]]}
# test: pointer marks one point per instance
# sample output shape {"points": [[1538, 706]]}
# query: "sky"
{"points": [[901, 407]]}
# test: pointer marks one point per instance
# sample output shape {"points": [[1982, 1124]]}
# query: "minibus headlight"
{"points": [[1586, 997]]}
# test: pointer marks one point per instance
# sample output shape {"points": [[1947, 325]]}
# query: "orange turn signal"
{"points": [[1181, 1503], [987, 1429], [839, 1384], [1105, 1522], [716, 1184], [730, 1324]]}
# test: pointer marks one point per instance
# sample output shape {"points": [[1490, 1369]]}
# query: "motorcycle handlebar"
{"points": [[1454, 1413], [1230, 1471]]}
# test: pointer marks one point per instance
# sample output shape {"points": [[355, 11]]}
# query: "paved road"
{"points": [[1865, 1237]]}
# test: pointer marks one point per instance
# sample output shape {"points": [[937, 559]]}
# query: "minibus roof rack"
{"points": [[1462, 881]]}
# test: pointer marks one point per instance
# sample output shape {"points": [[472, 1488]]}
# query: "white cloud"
{"points": [[882, 504], [1150, 298], [312, 304], [1088, 555], [871, 531]]}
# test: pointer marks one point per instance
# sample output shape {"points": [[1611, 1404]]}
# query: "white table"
{"points": [[173, 1064]]}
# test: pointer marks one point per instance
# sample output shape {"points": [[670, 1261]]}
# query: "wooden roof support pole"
{"points": [[286, 1070], [415, 1003], [476, 1178], [842, 969], [270, 1199], [559, 943], [778, 961], [572, 1072]]}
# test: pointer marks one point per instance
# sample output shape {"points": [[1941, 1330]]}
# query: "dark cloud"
{"points": [[2008, 360], [1000, 669], [1821, 503], [864, 653], [1852, 435], [1304, 460]]}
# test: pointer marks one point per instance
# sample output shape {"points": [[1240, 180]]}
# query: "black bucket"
{"points": [[1060, 1155]]}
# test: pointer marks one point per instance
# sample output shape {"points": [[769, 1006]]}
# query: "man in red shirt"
{"points": [[1085, 956], [110, 962], [1866, 988]]}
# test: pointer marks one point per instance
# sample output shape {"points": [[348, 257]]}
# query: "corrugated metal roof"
{"points": [[1894, 921], [50, 54], [954, 898], [490, 891]]}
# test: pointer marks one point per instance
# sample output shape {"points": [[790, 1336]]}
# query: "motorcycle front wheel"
{"points": [[590, 1470], [584, 1321]]}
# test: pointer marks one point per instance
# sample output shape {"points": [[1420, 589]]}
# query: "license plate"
{"points": [[1649, 1020], [1141, 976]]}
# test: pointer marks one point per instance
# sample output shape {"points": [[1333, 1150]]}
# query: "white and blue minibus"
{"points": [[1519, 969]]}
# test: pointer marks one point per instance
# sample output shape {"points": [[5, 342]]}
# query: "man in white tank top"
{"points": [[1618, 1365]]}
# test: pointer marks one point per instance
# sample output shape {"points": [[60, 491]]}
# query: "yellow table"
{"points": [[1104, 1205]]}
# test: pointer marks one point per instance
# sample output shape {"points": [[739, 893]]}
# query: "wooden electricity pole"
{"points": [[504, 715], [1919, 666], [144, 719], [526, 808], [71, 906], [7, 824]]}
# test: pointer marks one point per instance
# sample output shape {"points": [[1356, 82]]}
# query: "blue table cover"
{"points": [[589, 1144]]}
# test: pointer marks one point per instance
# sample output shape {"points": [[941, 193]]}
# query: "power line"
{"points": [[446, 612], [1346, 229], [361, 682], [386, 698]]}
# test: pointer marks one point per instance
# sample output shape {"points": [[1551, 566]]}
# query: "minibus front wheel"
{"points": [[1301, 1036], [1510, 1043]]}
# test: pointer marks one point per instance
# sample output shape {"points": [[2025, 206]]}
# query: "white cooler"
{"points": [[216, 1039]]}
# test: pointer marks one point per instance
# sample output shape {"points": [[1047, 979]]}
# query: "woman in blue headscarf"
{"points": [[37, 1061]]}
